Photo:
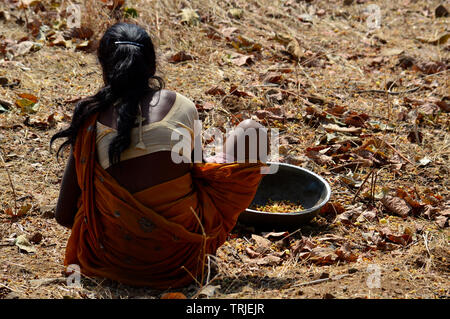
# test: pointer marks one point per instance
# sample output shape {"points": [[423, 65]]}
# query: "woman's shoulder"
{"points": [[180, 98], [184, 104]]}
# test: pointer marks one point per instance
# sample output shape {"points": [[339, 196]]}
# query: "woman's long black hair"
{"points": [[127, 68]]}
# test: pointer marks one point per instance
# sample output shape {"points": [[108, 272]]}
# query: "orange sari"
{"points": [[152, 237]]}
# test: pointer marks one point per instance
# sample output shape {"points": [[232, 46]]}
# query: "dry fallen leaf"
{"points": [[24, 245], [441, 220], [398, 238], [215, 91], [251, 253], [323, 256], [396, 205], [208, 291], [262, 244], [180, 57], [439, 40], [189, 16], [345, 253]]}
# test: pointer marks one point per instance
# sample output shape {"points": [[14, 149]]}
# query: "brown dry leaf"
{"points": [[369, 215], [83, 33], [273, 77], [345, 253], [112, 4], [431, 67], [251, 253], [205, 107], [428, 108], [234, 91], [173, 295], [215, 91], [332, 238], [333, 208], [261, 244], [9, 211], [441, 221], [439, 40], [180, 57], [59, 40], [320, 158], [276, 235], [269, 260], [356, 119], [294, 49], [36, 238], [349, 216], [415, 205], [373, 237], [32, 98], [240, 59], [243, 44], [23, 210], [323, 256], [396, 205], [34, 26], [227, 32], [303, 245], [267, 115], [444, 105], [398, 238], [391, 51], [42, 123]]}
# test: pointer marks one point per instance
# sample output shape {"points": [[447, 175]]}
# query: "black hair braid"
{"points": [[127, 56], [84, 108]]}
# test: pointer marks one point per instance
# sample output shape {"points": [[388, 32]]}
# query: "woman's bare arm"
{"points": [[66, 208]]}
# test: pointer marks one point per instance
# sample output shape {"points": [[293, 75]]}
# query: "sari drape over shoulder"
{"points": [[152, 237]]}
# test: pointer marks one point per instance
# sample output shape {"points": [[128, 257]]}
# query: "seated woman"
{"points": [[136, 216]]}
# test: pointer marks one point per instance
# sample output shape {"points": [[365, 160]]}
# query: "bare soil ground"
{"points": [[349, 100]]}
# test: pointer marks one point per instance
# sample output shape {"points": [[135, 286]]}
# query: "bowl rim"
{"points": [[306, 211]]}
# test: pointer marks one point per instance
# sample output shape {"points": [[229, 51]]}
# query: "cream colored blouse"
{"points": [[165, 135]]}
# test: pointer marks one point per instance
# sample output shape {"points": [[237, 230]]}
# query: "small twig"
{"points": [[192, 276], [374, 181], [363, 183], [9, 178], [388, 91], [346, 164], [318, 281], [203, 252], [425, 239], [395, 150]]}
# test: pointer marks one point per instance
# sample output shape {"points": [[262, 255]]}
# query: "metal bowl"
{"points": [[291, 183]]}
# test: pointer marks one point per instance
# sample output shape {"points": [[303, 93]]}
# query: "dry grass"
{"points": [[339, 58]]}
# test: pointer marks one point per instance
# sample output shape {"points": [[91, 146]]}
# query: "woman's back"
{"points": [[141, 168]]}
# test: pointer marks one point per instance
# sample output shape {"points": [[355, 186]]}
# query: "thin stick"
{"points": [[346, 164], [425, 239], [374, 181], [192, 276], [388, 91], [203, 244], [364, 182], [318, 281], [398, 153], [9, 178]]}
